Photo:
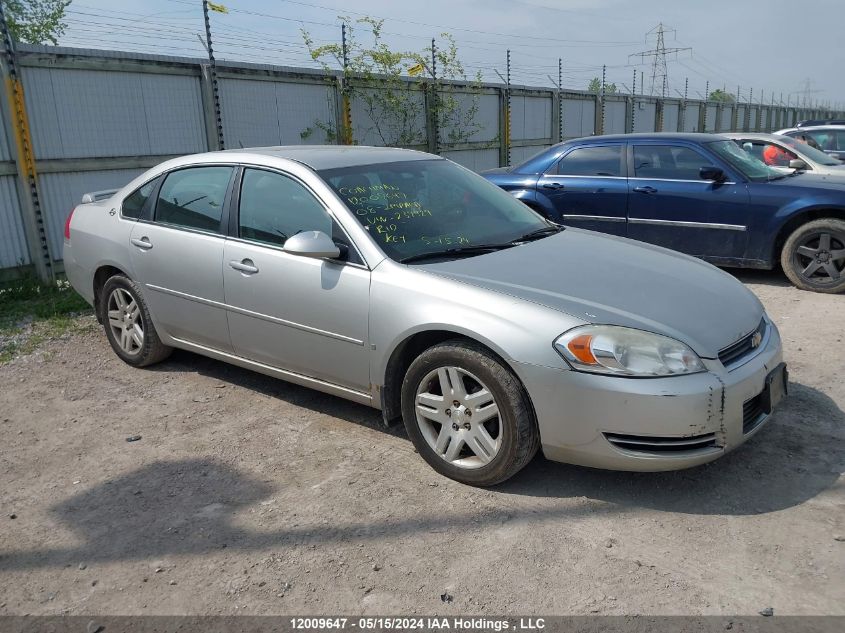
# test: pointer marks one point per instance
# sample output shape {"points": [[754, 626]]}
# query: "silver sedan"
{"points": [[787, 153], [402, 281]]}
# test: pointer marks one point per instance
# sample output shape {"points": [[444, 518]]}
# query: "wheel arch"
{"points": [[799, 218], [409, 348], [101, 275]]}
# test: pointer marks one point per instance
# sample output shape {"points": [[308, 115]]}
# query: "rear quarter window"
{"points": [[133, 204]]}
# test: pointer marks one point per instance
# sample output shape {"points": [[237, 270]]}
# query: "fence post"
{"points": [[28, 190], [208, 110], [557, 133], [658, 115], [212, 73], [431, 130]]}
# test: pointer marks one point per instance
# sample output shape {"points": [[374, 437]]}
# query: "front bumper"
{"points": [[649, 424]]}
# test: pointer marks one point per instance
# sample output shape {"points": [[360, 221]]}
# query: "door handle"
{"points": [[645, 189], [143, 242], [245, 266], [552, 185]]}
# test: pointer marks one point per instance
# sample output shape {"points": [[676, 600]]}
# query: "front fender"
{"points": [[408, 300]]}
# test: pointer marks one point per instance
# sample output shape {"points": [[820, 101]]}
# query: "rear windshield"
{"points": [[427, 206]]}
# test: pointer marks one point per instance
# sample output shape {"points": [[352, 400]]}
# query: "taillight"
{"points": [[67, 223]]}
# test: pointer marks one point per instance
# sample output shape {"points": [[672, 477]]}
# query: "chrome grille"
{"points": [[744, 347], [649, 444]]}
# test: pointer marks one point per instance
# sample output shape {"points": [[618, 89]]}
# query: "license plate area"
{"points": [[775, 389]]}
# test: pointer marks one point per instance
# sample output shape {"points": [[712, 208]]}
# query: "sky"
{"points": [[777, 49]]}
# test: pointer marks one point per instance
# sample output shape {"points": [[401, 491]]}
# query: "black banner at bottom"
{"points": [[422, 624]]}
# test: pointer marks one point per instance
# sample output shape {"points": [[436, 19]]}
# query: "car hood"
{"points": [[812, 181], [609, 280]]}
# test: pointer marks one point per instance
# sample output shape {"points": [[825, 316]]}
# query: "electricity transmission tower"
{"points": [[807, 91], [659, 71]]}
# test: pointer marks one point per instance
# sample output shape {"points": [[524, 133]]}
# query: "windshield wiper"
{"points": [[457, 252], [539, 234]]}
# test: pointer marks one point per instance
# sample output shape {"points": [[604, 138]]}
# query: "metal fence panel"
{"points": [[259, 113], [710, 118], [579, 117], [475, 159], [644, 113], [61, 192], [752, 118], [614, 117], [94, 113], [173, 113], [531, 117], [671, 112], [13, 247], [691, 118], [521, 154], [371, 127], [727, 119], [485, 126], [740, 118]]}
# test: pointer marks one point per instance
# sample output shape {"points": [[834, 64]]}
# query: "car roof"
{"points": [[320, 157], [753, 135], [812, 128], [696, 137]]}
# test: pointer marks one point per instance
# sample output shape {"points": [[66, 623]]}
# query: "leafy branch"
{"points": [[395, 106]]}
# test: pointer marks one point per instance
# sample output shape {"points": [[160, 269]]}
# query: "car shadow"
{"points": [[190, 506], [796, 455], [182, 362]]}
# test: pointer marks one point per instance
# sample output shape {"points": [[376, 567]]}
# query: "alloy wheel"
{"points": [[127, 326], [821, 257], [458, 417]]}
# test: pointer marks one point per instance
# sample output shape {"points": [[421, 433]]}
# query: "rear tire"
{"points": [[813, 256], [128, 325], [468, 416]]}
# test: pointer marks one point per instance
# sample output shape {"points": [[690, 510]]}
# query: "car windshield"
{"points": [[815, 155], [750, 167], [413, 208]]}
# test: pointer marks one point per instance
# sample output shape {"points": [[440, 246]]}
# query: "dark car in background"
{"points": [[700, 194]]}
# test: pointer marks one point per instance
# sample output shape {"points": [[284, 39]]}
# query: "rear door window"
{"points": [[601, 160], [193, 198]]}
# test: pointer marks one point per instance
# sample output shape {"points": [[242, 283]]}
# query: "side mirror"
{"points": [[797, 163], [314, 244], [711, 172]]}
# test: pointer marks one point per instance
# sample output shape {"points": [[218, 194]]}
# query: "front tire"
{"points": [[468, 415], [128, 325], [813, 257]]}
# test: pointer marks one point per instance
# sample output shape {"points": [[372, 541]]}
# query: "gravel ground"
{"points": [[249, 495]]}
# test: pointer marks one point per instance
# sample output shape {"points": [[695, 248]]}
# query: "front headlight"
{"points": [[623, 351]]}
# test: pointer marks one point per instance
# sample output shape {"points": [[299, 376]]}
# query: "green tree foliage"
{"points": [[376, 79], [720, 95], [595, 86], [36, 21]]}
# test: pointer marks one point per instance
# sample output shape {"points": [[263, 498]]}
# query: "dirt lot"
{"points": [[249, 495]]}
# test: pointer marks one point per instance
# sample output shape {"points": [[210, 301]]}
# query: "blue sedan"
{"points": [[700, 194]]}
